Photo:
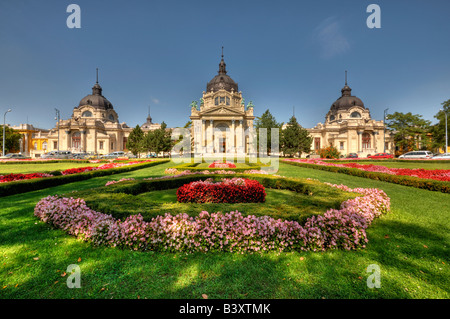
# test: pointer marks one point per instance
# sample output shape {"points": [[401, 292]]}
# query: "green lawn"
{"points": [[41, 168], [410, 245]]}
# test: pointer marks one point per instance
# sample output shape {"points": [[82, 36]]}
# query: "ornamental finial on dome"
{"points": [[222, 65]]}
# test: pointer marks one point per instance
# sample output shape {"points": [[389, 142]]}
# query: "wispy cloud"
{"points": [[331, 39], [155, 101]]}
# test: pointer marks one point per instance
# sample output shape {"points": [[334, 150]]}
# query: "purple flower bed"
{"points": [[336, 229]]}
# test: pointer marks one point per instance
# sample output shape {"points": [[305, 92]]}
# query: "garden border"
{"points": [[23, 186], [428, 184]]}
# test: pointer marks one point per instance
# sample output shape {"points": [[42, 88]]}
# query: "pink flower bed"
{"points": [[120, 180], [343, 228], [218, 164], [436, 174]]}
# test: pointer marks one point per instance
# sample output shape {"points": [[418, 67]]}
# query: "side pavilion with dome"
{"points": [[94, 127], [349, 127]]}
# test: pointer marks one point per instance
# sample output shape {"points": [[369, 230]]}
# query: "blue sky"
{"points": [[283, 54]]}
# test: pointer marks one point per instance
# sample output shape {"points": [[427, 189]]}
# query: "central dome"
{"points": [[96, 99], [346, 101], [222, 80]]}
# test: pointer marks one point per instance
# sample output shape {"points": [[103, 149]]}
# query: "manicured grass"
{"points": [[42, 168], [410, 244], [279, 203]]}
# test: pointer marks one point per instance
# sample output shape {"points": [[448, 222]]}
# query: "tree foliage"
{"points": [[12, 140], [409, 131], [295, 139], [135, 141], [438, 130], [158, 140], [268, 121]]}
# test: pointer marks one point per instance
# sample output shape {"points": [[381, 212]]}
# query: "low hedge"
{"points": [[24, 186], [428, 184]]}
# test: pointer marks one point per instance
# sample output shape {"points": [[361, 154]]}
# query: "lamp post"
{"points": [[446, 135], [384, 130], [57, 118], [4, 124]]}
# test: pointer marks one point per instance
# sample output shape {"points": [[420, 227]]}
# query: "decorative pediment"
{"points": [[222, 111]]}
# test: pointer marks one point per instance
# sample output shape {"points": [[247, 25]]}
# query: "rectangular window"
{"points": [[341, 145], [100, 145], [228, 100], [317, 143], [55, 145], [112, 146], [222, 99]]}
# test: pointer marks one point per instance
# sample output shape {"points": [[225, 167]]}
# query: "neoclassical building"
{"points": [[94, 127], [350, 128], [221, 120]]}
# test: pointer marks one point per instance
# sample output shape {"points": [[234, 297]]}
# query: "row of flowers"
{"points": [[343, 228], [435, 174], [17, 177], [219, 164], [228, 190]]}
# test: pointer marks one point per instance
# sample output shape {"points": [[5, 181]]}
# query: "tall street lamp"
{"points": [[4, 124], [57, 118], [446, 135], [384, 130]]}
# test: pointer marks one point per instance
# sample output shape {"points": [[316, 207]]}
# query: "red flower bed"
{"points": [[234, 190], [18, 177], [218, 164], [78, 170]]}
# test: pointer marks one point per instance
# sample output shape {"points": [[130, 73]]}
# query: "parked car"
{"points": [[381, 155], [352, 155], [58, 155], [81, 155], [14, 156], [417, 154], [113, 155], [445, 156]]}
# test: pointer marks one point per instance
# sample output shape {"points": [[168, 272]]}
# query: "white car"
{"points": [[445, 156], [417, 154]]}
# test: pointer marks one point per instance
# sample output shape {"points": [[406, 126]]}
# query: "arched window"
{"points": [[355, 115], [86, 114], [216, 101], [44, 146], [366, 141], [76, 140], [111, 117], [332, 118]]}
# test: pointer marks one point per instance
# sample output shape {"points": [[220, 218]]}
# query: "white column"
{"points": [[233, 136], [211, 137]]}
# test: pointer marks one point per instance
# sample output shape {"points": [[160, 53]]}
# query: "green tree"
{"points": [[158, 140], [135, 141], [295, 139], [409, 131], [12, 140], [268, 121], [438, 130]]}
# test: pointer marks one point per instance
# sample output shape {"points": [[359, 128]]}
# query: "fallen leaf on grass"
{"points": [[79, 259], [63, 274], [205, 296], [36, 258]]}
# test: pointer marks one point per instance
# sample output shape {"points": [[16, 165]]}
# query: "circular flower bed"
{"points": [[218, 164], [343, 228], [233, 190]]}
